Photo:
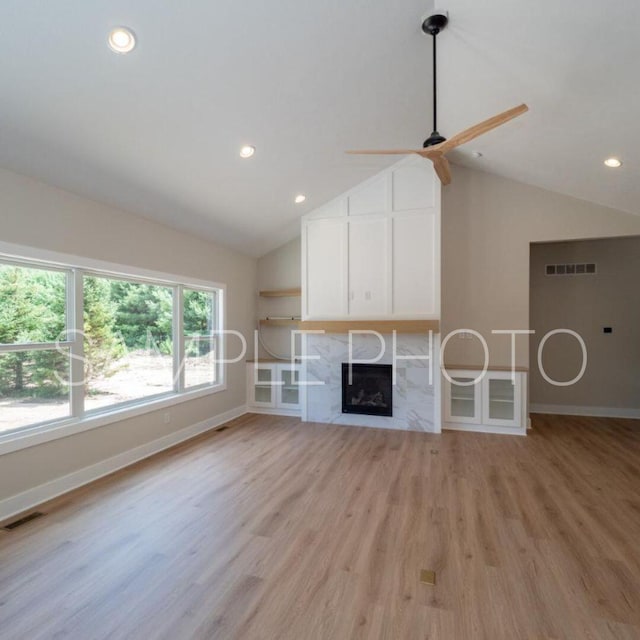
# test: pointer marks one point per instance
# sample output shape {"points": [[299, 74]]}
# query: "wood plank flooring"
{"points": [[279, 530]]}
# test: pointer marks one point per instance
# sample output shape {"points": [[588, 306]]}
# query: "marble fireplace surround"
{"points": [[414, 394]]}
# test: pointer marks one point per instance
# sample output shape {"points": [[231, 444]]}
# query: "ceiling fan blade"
{"points": [[391, 152], [479, 129], [443, 169]]}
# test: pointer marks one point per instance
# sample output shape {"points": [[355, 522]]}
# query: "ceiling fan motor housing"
{"points": [[433, 139]]}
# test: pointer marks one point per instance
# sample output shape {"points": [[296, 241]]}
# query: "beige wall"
{"points": [[586, 304], [279, 269], [488, 224], [37, 215]]}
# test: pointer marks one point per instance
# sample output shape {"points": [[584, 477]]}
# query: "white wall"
{"points": [[38, 215], [586, 304], [488, 224]]}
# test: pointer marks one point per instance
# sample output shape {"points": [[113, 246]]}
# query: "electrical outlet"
{"points": [[167, 418]]}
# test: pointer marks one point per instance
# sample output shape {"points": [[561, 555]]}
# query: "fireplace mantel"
{"points": [[381, 326]]}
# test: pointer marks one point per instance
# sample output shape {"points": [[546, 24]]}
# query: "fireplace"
{"points": [[370, 390]]}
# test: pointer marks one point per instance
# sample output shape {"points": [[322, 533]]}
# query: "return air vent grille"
{"points": [[572, 269]]}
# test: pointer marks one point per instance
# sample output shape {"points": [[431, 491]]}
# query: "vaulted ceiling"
{"points": [[157, 131]]}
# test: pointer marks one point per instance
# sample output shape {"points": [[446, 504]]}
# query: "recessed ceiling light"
{"points": [[121, 40], [300, 198], [614, 163], [247, 151]]}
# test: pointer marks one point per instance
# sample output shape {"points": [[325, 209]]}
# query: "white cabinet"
{"points": [[416, 264], [273, 387], [374, 252], [324, 268], [368, 267], [495, 403]]}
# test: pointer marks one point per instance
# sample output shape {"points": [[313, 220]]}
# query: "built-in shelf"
{"points": [[281, 293], [273, 361], [479, 367], [279, 322]]}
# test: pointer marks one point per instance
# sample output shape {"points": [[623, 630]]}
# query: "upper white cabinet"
{"points": [[416, 264], [368, 267], [374, 252], [412, 191], [324, 261]]}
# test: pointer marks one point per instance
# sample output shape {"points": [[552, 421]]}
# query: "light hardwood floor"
{"points": [[279, 530]]}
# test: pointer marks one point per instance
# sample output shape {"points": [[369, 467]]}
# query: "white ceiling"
{"points": [[157, 131]]}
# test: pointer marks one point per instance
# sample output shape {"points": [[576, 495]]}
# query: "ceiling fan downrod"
{"points": [[432, 26]]}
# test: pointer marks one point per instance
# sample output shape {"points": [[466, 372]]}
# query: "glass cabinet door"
{"points": [[288, 388], [502, 401], [463, 398], [261, 387]]}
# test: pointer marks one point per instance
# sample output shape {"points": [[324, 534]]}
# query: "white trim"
{"points": [[577, 410], [45, 432], [483, 428], [292, 413], [45, 492]]}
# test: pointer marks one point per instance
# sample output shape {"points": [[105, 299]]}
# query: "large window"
{"points": [[75, 344]]}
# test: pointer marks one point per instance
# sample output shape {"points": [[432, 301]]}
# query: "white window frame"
{"points": [[76, 268]]}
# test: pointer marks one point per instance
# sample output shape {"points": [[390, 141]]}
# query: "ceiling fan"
{"points": [[435, 147]]}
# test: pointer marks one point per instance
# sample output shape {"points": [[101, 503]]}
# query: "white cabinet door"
{"points": [[324, 268], [261, 388], [368, 267], [288, 387], [502, 399], [463, 401], [416, 265]]}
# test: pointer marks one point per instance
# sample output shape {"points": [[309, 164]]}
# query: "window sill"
{"points": [[32, 436]]}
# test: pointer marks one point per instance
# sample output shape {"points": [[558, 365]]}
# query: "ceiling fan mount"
{"points": [[436, 146], [435, 23]]}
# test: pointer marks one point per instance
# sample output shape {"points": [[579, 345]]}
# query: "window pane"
{"points": [[32, 305], [200, 346], [128, 341], [34, 387], [200, 361], [199, 312]]}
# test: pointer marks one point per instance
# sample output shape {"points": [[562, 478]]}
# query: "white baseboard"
{"points": [[483, 428], [292, 413], [44, 492], [596, 412]]}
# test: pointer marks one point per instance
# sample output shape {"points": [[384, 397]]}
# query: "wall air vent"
{"points": [[581, 269], [18, 523]]}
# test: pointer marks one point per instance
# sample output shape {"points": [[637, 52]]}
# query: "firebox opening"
{"points": [[370, 391]]}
